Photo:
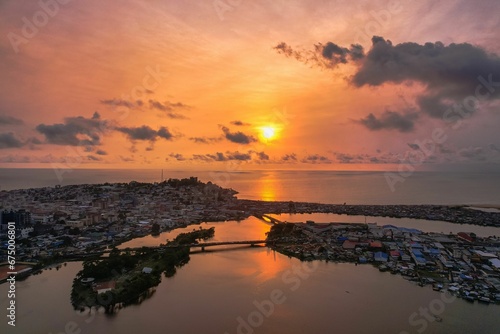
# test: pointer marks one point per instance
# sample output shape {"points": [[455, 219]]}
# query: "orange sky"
{"points": [[208, 74]]}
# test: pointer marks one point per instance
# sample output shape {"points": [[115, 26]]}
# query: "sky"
{"points": [[239, 84]]}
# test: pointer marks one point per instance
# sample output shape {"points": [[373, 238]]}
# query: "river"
{"points": [[255, 290]]}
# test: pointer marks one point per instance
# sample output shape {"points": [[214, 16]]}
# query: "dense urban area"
{"points": [[61, 223]]}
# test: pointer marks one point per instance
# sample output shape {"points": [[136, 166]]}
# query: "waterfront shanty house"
{"points": [[348, 244], [380, 257], [465, 237], [495, 263], [394, 255], [418, 257]]}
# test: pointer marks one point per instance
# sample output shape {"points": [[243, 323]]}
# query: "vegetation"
{"points": [[155, 229]]}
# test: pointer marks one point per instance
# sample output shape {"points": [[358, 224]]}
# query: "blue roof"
{"points": [[381, 254], [390, 227], [417, 253]]}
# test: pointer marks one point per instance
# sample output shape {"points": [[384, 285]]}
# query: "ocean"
{"points": [[474, 188]]}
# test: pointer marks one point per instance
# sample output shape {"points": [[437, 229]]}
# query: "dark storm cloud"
{"points": [[9, 140], [390, 120], [9, 120], [145, 132], [75, 131], [450, 73], [456, 76], [340, 55], [238, 136], [327, 55]]}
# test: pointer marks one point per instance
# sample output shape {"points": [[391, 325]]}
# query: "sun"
{"points": [[268, 132]]}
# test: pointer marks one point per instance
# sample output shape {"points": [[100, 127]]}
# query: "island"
{"points": [[129, 276]]}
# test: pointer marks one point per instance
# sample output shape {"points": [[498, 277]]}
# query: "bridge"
{"points": [[268, 219], [201, 245]]}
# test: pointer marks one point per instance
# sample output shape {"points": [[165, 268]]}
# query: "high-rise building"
{"points": [[21, 218]]}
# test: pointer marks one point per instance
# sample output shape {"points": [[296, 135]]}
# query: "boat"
{"points": [[469, 299], [383, 268]]}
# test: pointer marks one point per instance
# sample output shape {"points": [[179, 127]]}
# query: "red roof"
{"points": [[465, 236]]}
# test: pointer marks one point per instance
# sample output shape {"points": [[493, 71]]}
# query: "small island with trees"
{"points": [[129, 276]]}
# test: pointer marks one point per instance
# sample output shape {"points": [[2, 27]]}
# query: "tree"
{"points": [[155, 229]]}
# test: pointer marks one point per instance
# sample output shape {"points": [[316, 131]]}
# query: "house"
{"points": [[380, 257], [104, 286], [147, 270]]}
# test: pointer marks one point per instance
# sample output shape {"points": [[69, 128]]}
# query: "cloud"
{"points": [[9, 120], [123, 103], [237, 137], [493, 147], [220, 156], [164, 133], [205, 140], [455, 77], [316, 159], [93, 158], [169, 107], [413, 146], [126, 159], [239, 123], [101, 152], [473, 153], [289, 157], [145, 132], [9, 140], [327, 55], [390, 120], [177, 156], [262, 156], [75, 131], [450, 73]]}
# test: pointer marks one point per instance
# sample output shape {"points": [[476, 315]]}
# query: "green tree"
{"points": [[155, 229]]}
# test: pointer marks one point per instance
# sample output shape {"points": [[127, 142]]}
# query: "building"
{"points": [[21, 218]]}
